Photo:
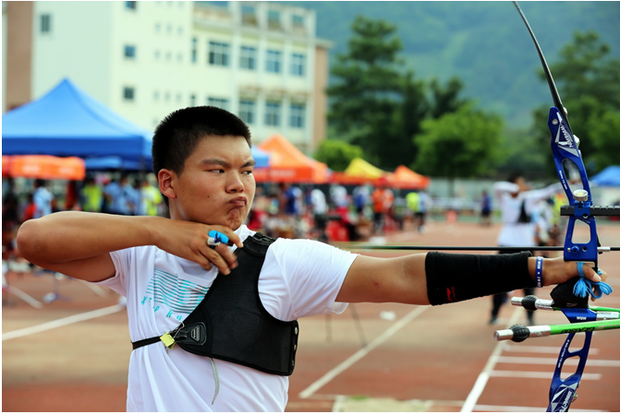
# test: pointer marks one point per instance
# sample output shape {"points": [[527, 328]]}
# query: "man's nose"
{"points": [[235, 185]]}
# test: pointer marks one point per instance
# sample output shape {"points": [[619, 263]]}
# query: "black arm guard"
{"points": [[458, 277]]}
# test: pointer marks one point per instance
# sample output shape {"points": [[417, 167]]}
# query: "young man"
{"points": [[165, 267]]}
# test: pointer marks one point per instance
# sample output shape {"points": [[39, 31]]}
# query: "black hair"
{"points": [[179, 133], [513, 177]]}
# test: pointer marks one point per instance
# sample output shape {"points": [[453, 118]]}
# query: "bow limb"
{"points": [[567, 157]]}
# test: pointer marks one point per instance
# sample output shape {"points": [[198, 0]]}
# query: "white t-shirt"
{"points": [[162, 289], [512, 232]]}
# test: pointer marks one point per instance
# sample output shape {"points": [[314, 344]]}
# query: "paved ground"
{"points": [[374, 357]]}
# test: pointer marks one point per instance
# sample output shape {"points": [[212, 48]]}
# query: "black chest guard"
{"points": [[231, 322]]}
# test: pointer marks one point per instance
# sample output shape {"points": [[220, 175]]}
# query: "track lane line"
{"points": [[343, 366], [483, 378], [62, 322]]}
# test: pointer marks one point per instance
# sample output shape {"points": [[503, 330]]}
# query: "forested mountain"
{"points": [[483, 43]]}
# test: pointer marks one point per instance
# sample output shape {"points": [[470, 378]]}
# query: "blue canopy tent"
{"points": [[68, 122], [609, 177], [261, 158]]}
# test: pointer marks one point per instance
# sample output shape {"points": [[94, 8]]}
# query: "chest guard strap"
{"points": [[231, 322]]}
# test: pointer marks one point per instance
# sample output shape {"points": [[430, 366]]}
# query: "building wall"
{"points": [[75, 45], [18, 52], [147, 59], [4, 54]]}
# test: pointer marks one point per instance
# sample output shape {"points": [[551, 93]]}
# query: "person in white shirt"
{"points": [[517, 203], [42, 199], [168, 268]]}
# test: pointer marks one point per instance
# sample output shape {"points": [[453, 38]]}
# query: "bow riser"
{"points": [[564, 391], [566, 155]]}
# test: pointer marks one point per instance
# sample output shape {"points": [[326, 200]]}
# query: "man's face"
{"points": [[217, 184]]}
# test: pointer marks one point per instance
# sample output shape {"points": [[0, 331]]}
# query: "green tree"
{"points": [[462, 144], [605, 136], [366, 95], [445, 98], [588, 80], [378, 105], [337, 154]]}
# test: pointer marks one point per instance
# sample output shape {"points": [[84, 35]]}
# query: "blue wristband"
{"points": [[539, 264]]}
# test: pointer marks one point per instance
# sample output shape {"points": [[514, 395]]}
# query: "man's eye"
{"points": [[248, 172]]}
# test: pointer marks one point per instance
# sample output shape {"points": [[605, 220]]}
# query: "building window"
{"points": [[298, 64], [194, 50], [46, 23], [131, 5], [129, 52], [272, 113], [274, 61], [298, 112], [218, 102], [129, 93], [247, 111], [273, 20], [248, 16], [218, 53], [298, 21], [248, 58]]}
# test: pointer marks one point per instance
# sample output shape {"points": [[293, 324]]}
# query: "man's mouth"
{"points": [[239, 202]]}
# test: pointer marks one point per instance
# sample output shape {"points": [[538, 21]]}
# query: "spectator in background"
{"points": [[361, 198], [485, 209], [418, 203], [292, 197], [128, 199], [29, 208], [42, 198], [92, 195], [120, 196], [10, 220], [111, 193], [382, 200], [318, 206], [338, 196], [150, 198]]}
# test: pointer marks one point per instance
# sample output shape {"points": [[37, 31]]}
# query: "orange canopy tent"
{"points": [[47, 167], [358, 172], [289, 164], [405, 178], [6, 166]]}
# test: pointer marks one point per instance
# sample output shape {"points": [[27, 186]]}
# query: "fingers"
{"points": [[218, 253], [590, 273], [233, 238], [223, 258]]}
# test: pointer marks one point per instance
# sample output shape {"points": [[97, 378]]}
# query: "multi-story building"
{"points": [[259, 60]]}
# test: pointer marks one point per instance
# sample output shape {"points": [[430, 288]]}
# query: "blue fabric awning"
{"points": [[68, 122], [609, 177]]}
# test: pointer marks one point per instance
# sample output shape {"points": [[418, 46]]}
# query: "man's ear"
{"points": [[166, 180]]}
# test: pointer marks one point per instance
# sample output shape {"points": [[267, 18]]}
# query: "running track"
{"points": [[72, 355]]}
